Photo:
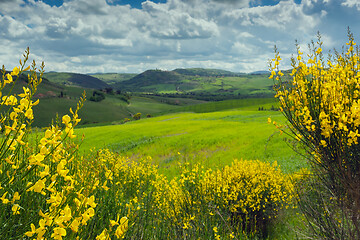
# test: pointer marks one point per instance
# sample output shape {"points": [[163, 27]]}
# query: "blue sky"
{"points": [[132, 36]]}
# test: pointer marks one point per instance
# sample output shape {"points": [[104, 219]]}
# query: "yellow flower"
{"points": [[87, 215], [29, 114], [58, 233], [15, 71], [91, 201], [16, 209], [15, 197], [113, 223], [39, 186], [122, 228], [75, 225], [66, 119], [8, 78], [32, 232], [4, 199], [103, 236]]}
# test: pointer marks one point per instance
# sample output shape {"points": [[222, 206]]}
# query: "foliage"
{"points": [[237, 201], [76, 79], [48, 191], [137, 116], [213, 139], [97, 96], [41, 187], [322, 106]]}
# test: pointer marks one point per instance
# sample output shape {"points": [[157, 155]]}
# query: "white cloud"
{"points": [[352, 3], [92, 36]]}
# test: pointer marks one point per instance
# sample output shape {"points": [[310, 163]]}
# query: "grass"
{"points": [[148, 106], [213, 139], [111, 78], [252, 104]]}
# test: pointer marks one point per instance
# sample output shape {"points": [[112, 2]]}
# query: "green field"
{"points": [[111, 78], [214, 139]]}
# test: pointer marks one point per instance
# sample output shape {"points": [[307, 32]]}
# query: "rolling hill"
{"points": [[76, 79], [112, 78], [198, 81], [153, 92], [205, 72]]}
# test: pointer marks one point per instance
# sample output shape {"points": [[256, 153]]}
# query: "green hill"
{"points": [[153, 92], [76, 79], [195, 82], [151, 81], [56, 99], [205, 72], [113, 78]]}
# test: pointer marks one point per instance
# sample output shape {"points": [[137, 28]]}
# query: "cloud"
{"points": [[167, 22], [352, 3], [94, 36], [240, 3]]}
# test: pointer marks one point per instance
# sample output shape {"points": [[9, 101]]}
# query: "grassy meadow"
{"points": [[208, 170], [214, 139]]}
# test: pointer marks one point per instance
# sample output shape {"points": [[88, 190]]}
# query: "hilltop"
{"points": [[112, 97], [194, 82], [76, 79]]}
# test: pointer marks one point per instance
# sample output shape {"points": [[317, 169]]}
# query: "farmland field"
{"points": [[214, 139]]}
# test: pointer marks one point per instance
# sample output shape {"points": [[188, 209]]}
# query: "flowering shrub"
{"points": [[42, 195], [322, 106], [48, 191]]}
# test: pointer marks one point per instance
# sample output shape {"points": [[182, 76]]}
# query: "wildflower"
{"points": [[32, 232], [75, 225], [15, 209], [38, 186], [4, 199], [103, 236], [66, 119], [91, 201], [58, 233], [122, 228], [15, 71], [87, 215], [16, 197]]}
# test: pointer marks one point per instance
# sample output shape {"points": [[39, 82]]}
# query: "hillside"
{"points": [[113, 78], [76, 79], [213, 139], [205, 72], [202, 84], [151, 81], [153, 92], [56, 99]]}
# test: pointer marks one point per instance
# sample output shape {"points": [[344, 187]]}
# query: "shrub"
{"points": [[137, 116], [41, 188], [322, 106], [97, 96]]}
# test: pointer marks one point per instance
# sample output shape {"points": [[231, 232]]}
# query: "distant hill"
{"points": [[260, 72], [76, 79], [149, 80], [112, 78], [199, 83], [205, 72], [56, 99]]}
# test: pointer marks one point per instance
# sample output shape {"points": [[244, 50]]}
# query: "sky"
{"points": [[124, 36]]}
